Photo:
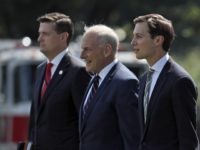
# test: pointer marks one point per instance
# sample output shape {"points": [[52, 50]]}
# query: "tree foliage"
{"points": [[18, 17]]}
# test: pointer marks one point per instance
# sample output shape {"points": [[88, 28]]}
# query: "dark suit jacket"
{"points": [[54, 123], [171, 115], [111, 121]]}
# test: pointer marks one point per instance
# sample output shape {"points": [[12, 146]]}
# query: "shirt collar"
{"points": [[106, 69], [158, 66], [58, 58]]}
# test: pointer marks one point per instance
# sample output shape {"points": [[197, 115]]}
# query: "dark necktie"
{"points": [[46, 79], [147, 92], [93, 91]]}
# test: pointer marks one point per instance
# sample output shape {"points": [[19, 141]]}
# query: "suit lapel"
{"points": [[156, 92], [38, 84], [58, 75], [99, 93], [83, 100], [141, 99]]}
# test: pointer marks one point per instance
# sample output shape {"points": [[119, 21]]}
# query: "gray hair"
{"points": [[105, 35]]}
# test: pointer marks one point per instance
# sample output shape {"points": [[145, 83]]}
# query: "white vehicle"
{"points": [[17, 69]]}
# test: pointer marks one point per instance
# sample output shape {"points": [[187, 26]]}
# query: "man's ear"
{"points": [[107, 50], [159, 40], [64, 36]]}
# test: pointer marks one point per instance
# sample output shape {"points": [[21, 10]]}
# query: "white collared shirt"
{"points": [[157, 67], [56, 61], [102, 74]]}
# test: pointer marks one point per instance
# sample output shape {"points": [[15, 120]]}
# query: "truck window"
{"points": [[24, 82], [2, 83], [17, 81]]}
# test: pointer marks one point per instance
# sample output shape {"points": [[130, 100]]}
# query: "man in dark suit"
{"points": [[108, 120], [55, 108], [167, 109]]}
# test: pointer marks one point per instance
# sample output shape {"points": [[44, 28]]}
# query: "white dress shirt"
{"points": [[56, 61], [157, 67], [102, 74]]}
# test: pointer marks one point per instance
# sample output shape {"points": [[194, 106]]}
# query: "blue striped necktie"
{"points": [[93, 91]]}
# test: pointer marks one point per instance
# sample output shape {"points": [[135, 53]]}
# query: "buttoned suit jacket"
{"points": [[111, 120], [171, 114], [54, 118]]}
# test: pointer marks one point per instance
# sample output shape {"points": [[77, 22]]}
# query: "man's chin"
{"points": [[91, 72], [87, 69], [42, 50], [138, 56]]}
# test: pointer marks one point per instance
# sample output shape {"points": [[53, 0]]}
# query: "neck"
{"points": [[151, 61]]}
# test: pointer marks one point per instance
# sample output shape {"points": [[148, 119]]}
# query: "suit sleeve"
{"points": [[184, 100], [32, 117], [127, 111]]}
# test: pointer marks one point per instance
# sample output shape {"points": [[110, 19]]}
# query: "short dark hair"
{"points": [[158, 25], [62, 22]]}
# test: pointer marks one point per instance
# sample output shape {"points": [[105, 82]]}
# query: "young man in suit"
{"points": [[57, 98], [108, 120], [167, 109]]}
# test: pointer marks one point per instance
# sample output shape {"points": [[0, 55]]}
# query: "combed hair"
{"points": [[62, 22], [158, 25]]}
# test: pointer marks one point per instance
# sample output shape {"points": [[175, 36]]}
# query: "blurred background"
{"points": [[19, 52]]}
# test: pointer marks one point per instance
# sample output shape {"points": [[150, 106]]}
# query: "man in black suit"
{"points": [[55, 108], [167, 97], [108, 120]]}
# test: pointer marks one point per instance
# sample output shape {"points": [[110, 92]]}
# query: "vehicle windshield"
{"points": [[17, 81]]}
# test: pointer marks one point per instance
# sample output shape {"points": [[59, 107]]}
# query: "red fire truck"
{"points": [[17, 69]]}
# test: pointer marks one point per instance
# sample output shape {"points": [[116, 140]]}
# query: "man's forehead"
{"points": [[141, 27]]}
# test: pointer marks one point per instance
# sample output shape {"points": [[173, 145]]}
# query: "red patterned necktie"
{"points": [[46, 79]]}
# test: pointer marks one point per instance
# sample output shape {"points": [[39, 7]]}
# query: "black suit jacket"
{"points": [[111, 121], [171, 115], [54, 122]]}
